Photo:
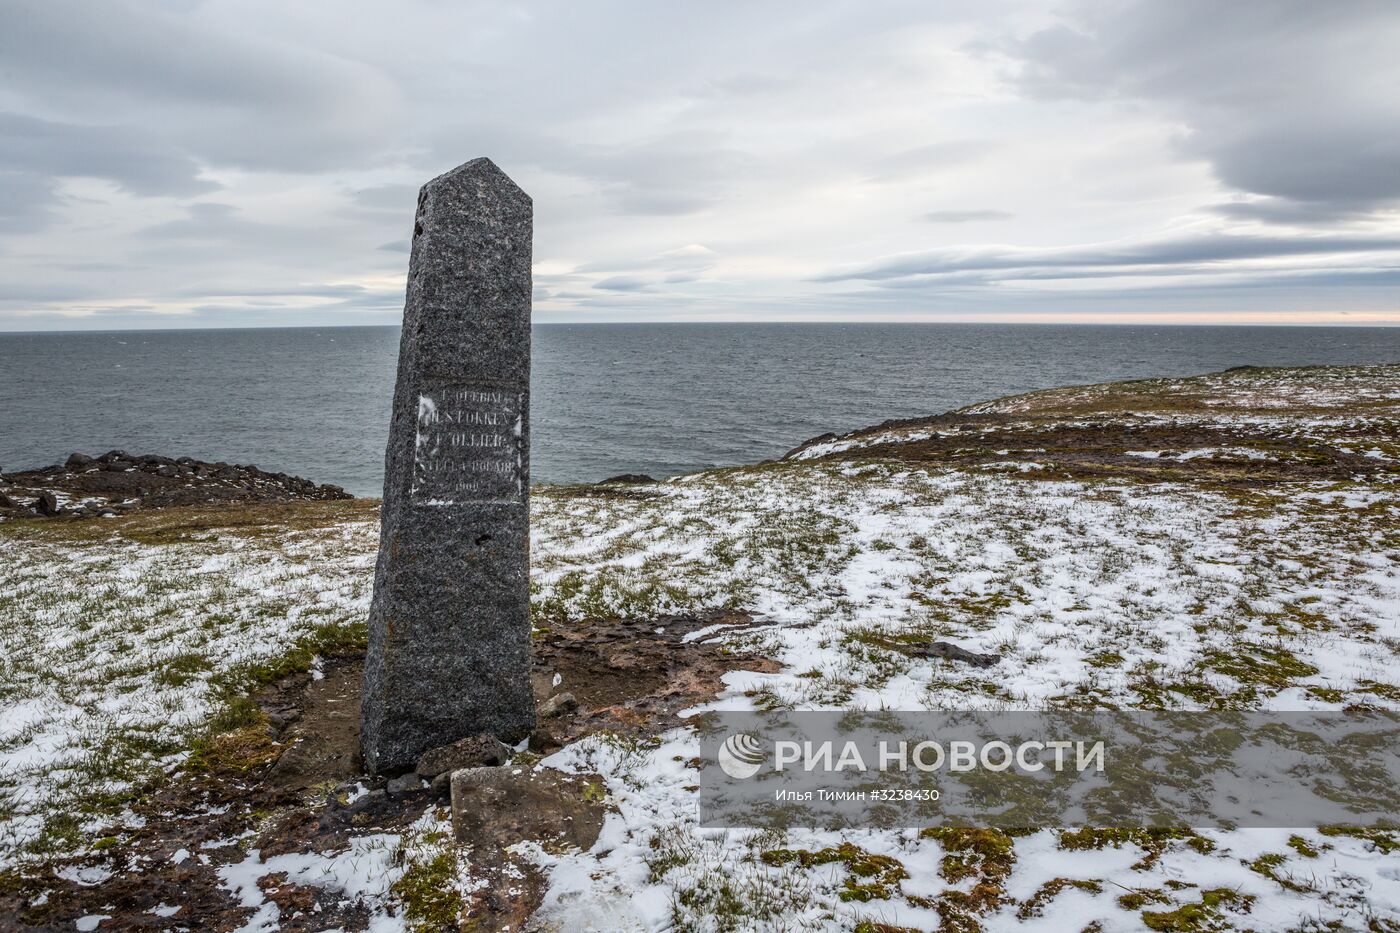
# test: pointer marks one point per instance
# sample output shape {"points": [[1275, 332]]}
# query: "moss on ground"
{"points": [[986, 856], [1271, 667], [1303, 847], [1139, 898], [1207, 914], [1153, 842], [872, 877], [1385, 841], [1269, 864], [1051, 889], [428, 890]]}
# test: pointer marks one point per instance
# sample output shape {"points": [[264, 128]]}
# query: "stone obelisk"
{"points": [[449, 628]]}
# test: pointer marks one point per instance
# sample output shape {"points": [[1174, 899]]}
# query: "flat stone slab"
{"points": [[498, 807]]}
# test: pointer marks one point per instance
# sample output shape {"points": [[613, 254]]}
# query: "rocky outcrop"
{"points": [[628, 479], [85, 486]]}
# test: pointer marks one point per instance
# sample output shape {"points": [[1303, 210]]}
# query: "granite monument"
{"points": [[449, 630]]}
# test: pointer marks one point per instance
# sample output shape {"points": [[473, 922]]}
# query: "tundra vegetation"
{"points": [[1219, 542]]}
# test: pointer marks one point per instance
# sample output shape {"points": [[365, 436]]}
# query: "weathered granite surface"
{"points": [[449, 631]]}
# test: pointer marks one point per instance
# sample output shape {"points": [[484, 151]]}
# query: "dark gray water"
{"points": [[644, 398]]}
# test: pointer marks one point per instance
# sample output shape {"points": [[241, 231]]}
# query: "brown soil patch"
{"points": [[1091, 449], [1329, 418], [283, 784], [636, 675]]}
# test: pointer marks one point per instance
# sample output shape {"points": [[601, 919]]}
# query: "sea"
{"points": [[655, 398]]}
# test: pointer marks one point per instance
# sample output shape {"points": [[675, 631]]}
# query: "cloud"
{"points": [[964, 217], [622, 283], [1122, 258], [933, 157], [1291, 100], [26, 201], [205, 220], [141, 51], [1297, 213], [691, 251], [674, 175], [399, 200], [129, 159], [668, 174], [690, 258], [225, 93], [202, 160], [318, 290]]}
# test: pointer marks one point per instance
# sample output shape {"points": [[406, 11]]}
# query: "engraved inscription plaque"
{"points": [[469, 446]]}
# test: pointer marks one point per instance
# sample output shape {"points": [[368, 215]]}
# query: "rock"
{"points": [[404, 784], [47, 503], [348, 795], [951, 652], [493, 808], [368, 801], [542, 741], [476, 751], [558, 705], [281, 717], [628, 479], [156, 481]]}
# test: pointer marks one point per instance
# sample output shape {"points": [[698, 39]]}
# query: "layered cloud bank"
{"points": [[225, 164]]}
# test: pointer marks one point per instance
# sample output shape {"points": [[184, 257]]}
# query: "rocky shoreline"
{"points": [[116, 482]]}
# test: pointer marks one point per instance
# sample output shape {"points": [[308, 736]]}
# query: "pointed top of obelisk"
{"points": [[482, 170]]}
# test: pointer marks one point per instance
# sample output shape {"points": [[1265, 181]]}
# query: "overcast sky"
{"points": [[176, 163]]}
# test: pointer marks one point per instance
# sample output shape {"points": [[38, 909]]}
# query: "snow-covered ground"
{"points": [[1095, 593], [113, 648]]}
